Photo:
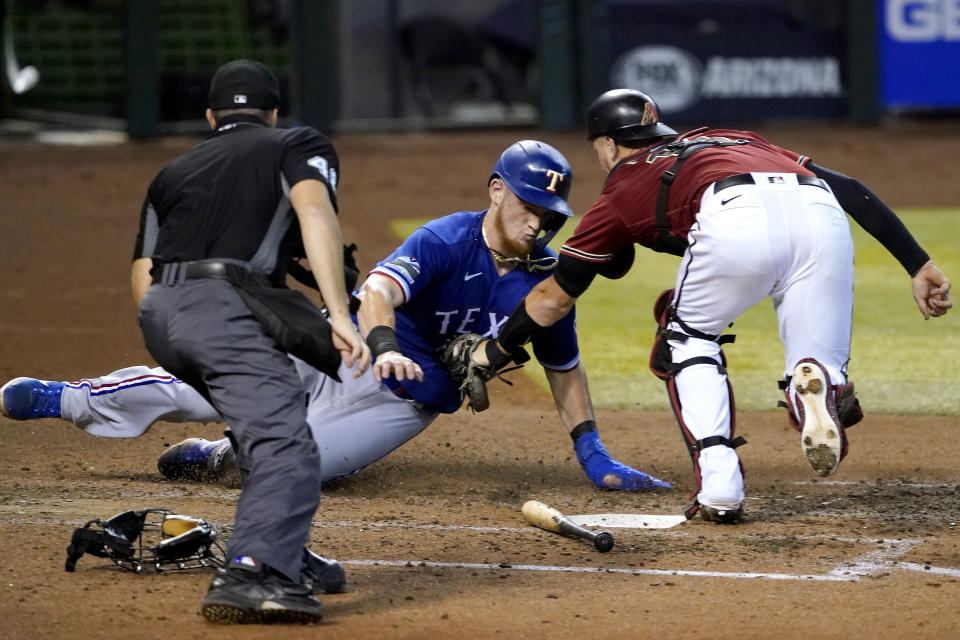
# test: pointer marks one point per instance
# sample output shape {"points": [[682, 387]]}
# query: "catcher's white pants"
{"points": [[774, 239], [354, 423]]}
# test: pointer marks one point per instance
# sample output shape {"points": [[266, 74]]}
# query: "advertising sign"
{"points": [[919, 53], [736, 60]]}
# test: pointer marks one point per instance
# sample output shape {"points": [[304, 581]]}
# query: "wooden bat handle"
{"points": [[545, 517]]}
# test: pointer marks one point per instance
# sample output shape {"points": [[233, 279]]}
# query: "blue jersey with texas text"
{"points": [[450, 286]]}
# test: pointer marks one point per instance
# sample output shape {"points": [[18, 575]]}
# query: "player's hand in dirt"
{"points": [[607, 473]]}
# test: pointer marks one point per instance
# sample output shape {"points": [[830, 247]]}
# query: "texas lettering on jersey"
{"points": [[471, 321], [451, 286]]}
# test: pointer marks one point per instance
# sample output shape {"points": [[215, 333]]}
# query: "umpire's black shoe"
{"points": [[322, 574], [248, 592]]}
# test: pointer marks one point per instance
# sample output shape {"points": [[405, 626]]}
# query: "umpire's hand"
{"points": [[352, 348]]}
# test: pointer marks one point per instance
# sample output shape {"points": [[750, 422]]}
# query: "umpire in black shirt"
{"points": [[216, 233]]}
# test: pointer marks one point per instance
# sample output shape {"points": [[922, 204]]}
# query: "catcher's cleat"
{"points": [[822, 435], [200, 460], [247, 592], [722, 515], [322, 574], [29, 398]]}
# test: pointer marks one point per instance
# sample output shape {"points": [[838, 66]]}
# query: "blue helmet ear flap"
{"points": [[536, 173]]}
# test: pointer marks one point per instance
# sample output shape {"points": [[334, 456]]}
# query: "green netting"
{"points": [[80, 53]]}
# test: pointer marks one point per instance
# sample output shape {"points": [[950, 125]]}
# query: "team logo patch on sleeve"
{"points": [[406, 266]]}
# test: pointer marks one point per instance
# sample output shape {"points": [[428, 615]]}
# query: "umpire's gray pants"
{"points": [[202, 332]]}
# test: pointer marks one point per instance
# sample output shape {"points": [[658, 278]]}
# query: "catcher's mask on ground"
{"points": [[156, 538], [539, 174]]}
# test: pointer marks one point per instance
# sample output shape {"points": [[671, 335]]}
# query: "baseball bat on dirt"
{"points": [[540, 515]]}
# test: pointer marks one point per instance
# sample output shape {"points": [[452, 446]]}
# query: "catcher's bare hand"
{"points": [[479, 354], [931, 291], [393, 363]]}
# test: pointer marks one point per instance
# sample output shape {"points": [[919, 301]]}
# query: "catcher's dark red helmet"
{"points": [[625, 114]]}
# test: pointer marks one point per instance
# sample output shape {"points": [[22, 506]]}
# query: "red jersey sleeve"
{"points": [[600, 234]]}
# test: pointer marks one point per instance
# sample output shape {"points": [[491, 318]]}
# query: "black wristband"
{"points": [[518, 330], [497, 358], [382, 339], [584, 427]]}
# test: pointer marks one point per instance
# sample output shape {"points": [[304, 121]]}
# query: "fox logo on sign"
{"points": [[555, 178]]}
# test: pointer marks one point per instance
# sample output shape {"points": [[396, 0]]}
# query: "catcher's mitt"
{"points": [[471, 377]]}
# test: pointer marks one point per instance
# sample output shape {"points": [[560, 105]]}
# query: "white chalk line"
{"points": [[416, 525], [874, 562], [870, 563], [925, 568], [838, 483], [548, 568]]}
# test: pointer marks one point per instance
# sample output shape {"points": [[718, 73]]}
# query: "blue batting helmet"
{"points": [[539, 174]]}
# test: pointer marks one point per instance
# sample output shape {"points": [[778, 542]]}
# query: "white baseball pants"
{"points": [[778, 239]]}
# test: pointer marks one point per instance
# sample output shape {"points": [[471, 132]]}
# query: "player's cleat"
{"points": [[200, 460], [822, 436], [247, 592], [29, 398], [323, 574], [722, 515]]}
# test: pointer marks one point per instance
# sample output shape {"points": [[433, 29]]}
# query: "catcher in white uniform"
{"points": [[751, 220]]}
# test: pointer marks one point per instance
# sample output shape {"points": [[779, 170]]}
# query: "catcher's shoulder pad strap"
{"points": [[666, 241]]}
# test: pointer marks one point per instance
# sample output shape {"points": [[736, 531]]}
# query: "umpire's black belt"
{"points": [[747, 178], [174, 273]]}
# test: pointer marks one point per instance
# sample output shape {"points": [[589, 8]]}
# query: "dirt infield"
{"points": [[432, 536]]}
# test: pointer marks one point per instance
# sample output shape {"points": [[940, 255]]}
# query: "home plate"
{"points": [[628, 520]]}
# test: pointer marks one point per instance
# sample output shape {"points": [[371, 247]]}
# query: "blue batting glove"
{"points": [[607, 473]]}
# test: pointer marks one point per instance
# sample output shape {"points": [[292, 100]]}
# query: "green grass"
{"points": [[899, 362]]}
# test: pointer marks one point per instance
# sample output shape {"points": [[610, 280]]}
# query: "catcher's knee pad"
{"points": [[671, 327]]}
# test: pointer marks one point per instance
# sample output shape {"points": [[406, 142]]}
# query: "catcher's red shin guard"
{"points": [[662, 366], [695, 446]]}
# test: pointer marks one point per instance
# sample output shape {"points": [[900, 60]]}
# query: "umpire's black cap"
{"points": [[244, 84]]}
